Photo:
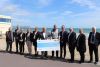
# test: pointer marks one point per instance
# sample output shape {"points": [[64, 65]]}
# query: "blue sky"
{"points": [[46, 13]]}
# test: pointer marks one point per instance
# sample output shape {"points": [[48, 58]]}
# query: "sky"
{"points": [[46, 13]]}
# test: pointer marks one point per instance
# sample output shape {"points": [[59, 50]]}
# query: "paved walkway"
{"points": [[16, 60]]}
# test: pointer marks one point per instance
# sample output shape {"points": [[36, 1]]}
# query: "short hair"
{"points": [[94, 27]]}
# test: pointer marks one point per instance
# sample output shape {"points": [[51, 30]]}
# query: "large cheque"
{"points": [[48, 45]]}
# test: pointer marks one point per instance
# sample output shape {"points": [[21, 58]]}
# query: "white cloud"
{"points": [[43, 3], [19, 15], [23, 16], [95, 13], [89, 3], [87, 19], [7, 7], [15, 10]]}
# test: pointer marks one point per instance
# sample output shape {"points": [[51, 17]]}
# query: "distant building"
{"points": [[5, 23]]}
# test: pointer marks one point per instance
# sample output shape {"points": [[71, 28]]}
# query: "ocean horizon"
{"points": [[86, 30]]}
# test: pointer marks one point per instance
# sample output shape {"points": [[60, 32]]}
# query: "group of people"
{"points": [[66, 39]]}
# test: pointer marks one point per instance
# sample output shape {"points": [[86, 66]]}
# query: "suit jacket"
{"points": [[28, 37], [34, 37], [22, 37], [9, 36], [97, 37], [64, 36], [42, 37], [16, 35], [72, 39], [81, 43]]}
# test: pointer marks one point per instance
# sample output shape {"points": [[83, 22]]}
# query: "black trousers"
{"points": [[62, 49], [44, 53], [35, 47], [72, 51], [9, 46], [21, 47], [17, 46], [93, 48], [53, 53], [82, 56]]}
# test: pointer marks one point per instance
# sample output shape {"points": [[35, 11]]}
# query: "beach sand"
{"points": [[21, 60]]}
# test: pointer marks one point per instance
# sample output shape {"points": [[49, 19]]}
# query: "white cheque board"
{"points": [[48, 45]]}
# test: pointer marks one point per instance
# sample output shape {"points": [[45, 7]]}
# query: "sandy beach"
{"points": [[11, 59]]}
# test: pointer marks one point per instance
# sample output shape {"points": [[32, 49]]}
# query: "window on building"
{"points": [[5, 20]]}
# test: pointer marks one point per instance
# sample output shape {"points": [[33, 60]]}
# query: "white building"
{"points": [[5, 23]]}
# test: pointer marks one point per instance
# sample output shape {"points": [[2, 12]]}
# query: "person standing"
{"points": [[63, 41], [9, 40], [81, 45], [44, 36], [28, 41], [34, 37], [16, 36], [21, 41], [93, 43], [54, 35], [72, 43]]}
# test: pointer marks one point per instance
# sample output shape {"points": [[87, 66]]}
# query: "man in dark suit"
{"points": [[21, 41], [43, 36], [81, 45], [34, 36], [9, 40], [63, 40], [93, 43], [72, 43], [16, 36]]}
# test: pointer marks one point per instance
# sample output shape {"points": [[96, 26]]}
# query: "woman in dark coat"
{"points": [[81, 45]]}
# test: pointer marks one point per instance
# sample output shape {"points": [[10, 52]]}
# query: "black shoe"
{"points": [[21, 53], [81, 61], [52, 57], [57, 57], [95, 62], [60, 57], [16, 52], [29, 54], [71, 61], [36, 55], [90, 61], [10, 51], [7, 51], [46, 56], [42, 57]]}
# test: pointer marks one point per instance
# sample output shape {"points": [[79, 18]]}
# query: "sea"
{"points": [[86, 30]]}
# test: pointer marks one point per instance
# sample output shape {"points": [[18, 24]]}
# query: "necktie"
{"points": [[93, 38], [35, 35], [62, 34], [69, 36], [78, 40]]}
